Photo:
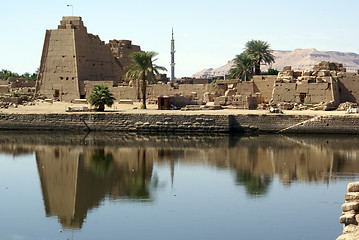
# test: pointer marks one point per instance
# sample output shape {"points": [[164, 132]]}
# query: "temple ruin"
{"points": [[72, 60]]}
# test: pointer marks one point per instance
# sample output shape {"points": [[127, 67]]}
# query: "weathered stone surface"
{"points": [[220, 101], [307, 73], [125, 101], [230, 92], [353, 187], [349, 236], [351, 196], [348, 218], [350, 228], [346, 207]]}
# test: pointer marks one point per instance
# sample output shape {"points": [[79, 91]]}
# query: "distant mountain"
{"points": [[299, 59]]}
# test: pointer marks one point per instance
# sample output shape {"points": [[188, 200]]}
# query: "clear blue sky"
{"points": [[207, 33]]}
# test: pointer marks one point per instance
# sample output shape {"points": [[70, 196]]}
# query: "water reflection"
{"points": [[75, 180], [78, 173], [255, 185]]}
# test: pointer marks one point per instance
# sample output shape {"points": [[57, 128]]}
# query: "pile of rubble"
{"points": [[322, 72], [14, 100], [245, 101]]}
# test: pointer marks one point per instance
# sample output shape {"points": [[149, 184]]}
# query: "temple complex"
{"points": [[73, 62], [72, 59]]}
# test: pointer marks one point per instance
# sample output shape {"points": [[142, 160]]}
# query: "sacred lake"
{"points": [[57, 185]]}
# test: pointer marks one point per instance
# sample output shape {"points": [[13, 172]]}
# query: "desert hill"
{"points": [[299, 59]]}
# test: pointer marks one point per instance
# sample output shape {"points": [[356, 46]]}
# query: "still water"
{"points": [[130, 186]]}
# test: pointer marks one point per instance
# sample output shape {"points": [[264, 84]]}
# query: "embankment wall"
{"points": [[176, 122]]}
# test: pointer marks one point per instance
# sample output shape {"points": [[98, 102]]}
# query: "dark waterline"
{"points": [[115, 185]]}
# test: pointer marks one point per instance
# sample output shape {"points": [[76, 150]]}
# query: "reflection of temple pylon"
{"points": [[73, 181], [58, 171]]}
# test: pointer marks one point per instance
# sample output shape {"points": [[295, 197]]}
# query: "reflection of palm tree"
{"points": [[100, 163], [255, 185]]}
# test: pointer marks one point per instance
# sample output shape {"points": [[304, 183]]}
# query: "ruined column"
{"points": [[350, 216]]}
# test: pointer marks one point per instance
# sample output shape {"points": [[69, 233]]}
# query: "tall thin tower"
{"points": [[172, 58]]}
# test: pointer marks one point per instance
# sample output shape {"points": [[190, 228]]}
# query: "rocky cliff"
{"points": [[299, 59]]}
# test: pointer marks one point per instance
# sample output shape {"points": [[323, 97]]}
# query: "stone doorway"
{"points": [[302, 97]]}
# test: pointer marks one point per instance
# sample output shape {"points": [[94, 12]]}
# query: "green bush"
{"points": [[272, 71]]}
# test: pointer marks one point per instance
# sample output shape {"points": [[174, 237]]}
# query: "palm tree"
{"points": [[101, 96], [243, 67], [262, 53], [142, 68]]}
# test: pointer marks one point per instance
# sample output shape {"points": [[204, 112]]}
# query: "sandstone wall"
{"points": [[94, 59], [173, 122], [71, 56], [259, 84], [314, 92], [121, 50], [186, 90], [153, 91], [264, 85], [349, 87], [244, 88], [58, 73]]}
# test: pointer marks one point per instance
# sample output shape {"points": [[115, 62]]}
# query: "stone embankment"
{"points": [[350, 217], [173, 122]]}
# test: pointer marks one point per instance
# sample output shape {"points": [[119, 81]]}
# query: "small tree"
{"points": [[272, 71], [101, 96]]}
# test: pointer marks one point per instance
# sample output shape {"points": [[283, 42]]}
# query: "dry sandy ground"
{"points": [[60, 107]]}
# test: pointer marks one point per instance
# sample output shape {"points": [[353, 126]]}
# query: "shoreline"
{"points": [[46, 116]]}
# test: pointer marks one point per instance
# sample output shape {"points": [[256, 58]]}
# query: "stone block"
{"points": [[206, 97], [307, 73], [288, 80], [287, 68], [230, 92], [323, 73], [220, 101], [319, 80], [79, 101], [283, 74], [125, 101], [297, 74], [348, 218], [352, 110], [353, 187], [350, 228], [351, 196], [349, 206], [194, 94], [77, 109], [310, 79], [304, 81]]}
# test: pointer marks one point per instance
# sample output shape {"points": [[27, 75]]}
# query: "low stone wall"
{"points": [[179, 122], [350, 217]]}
